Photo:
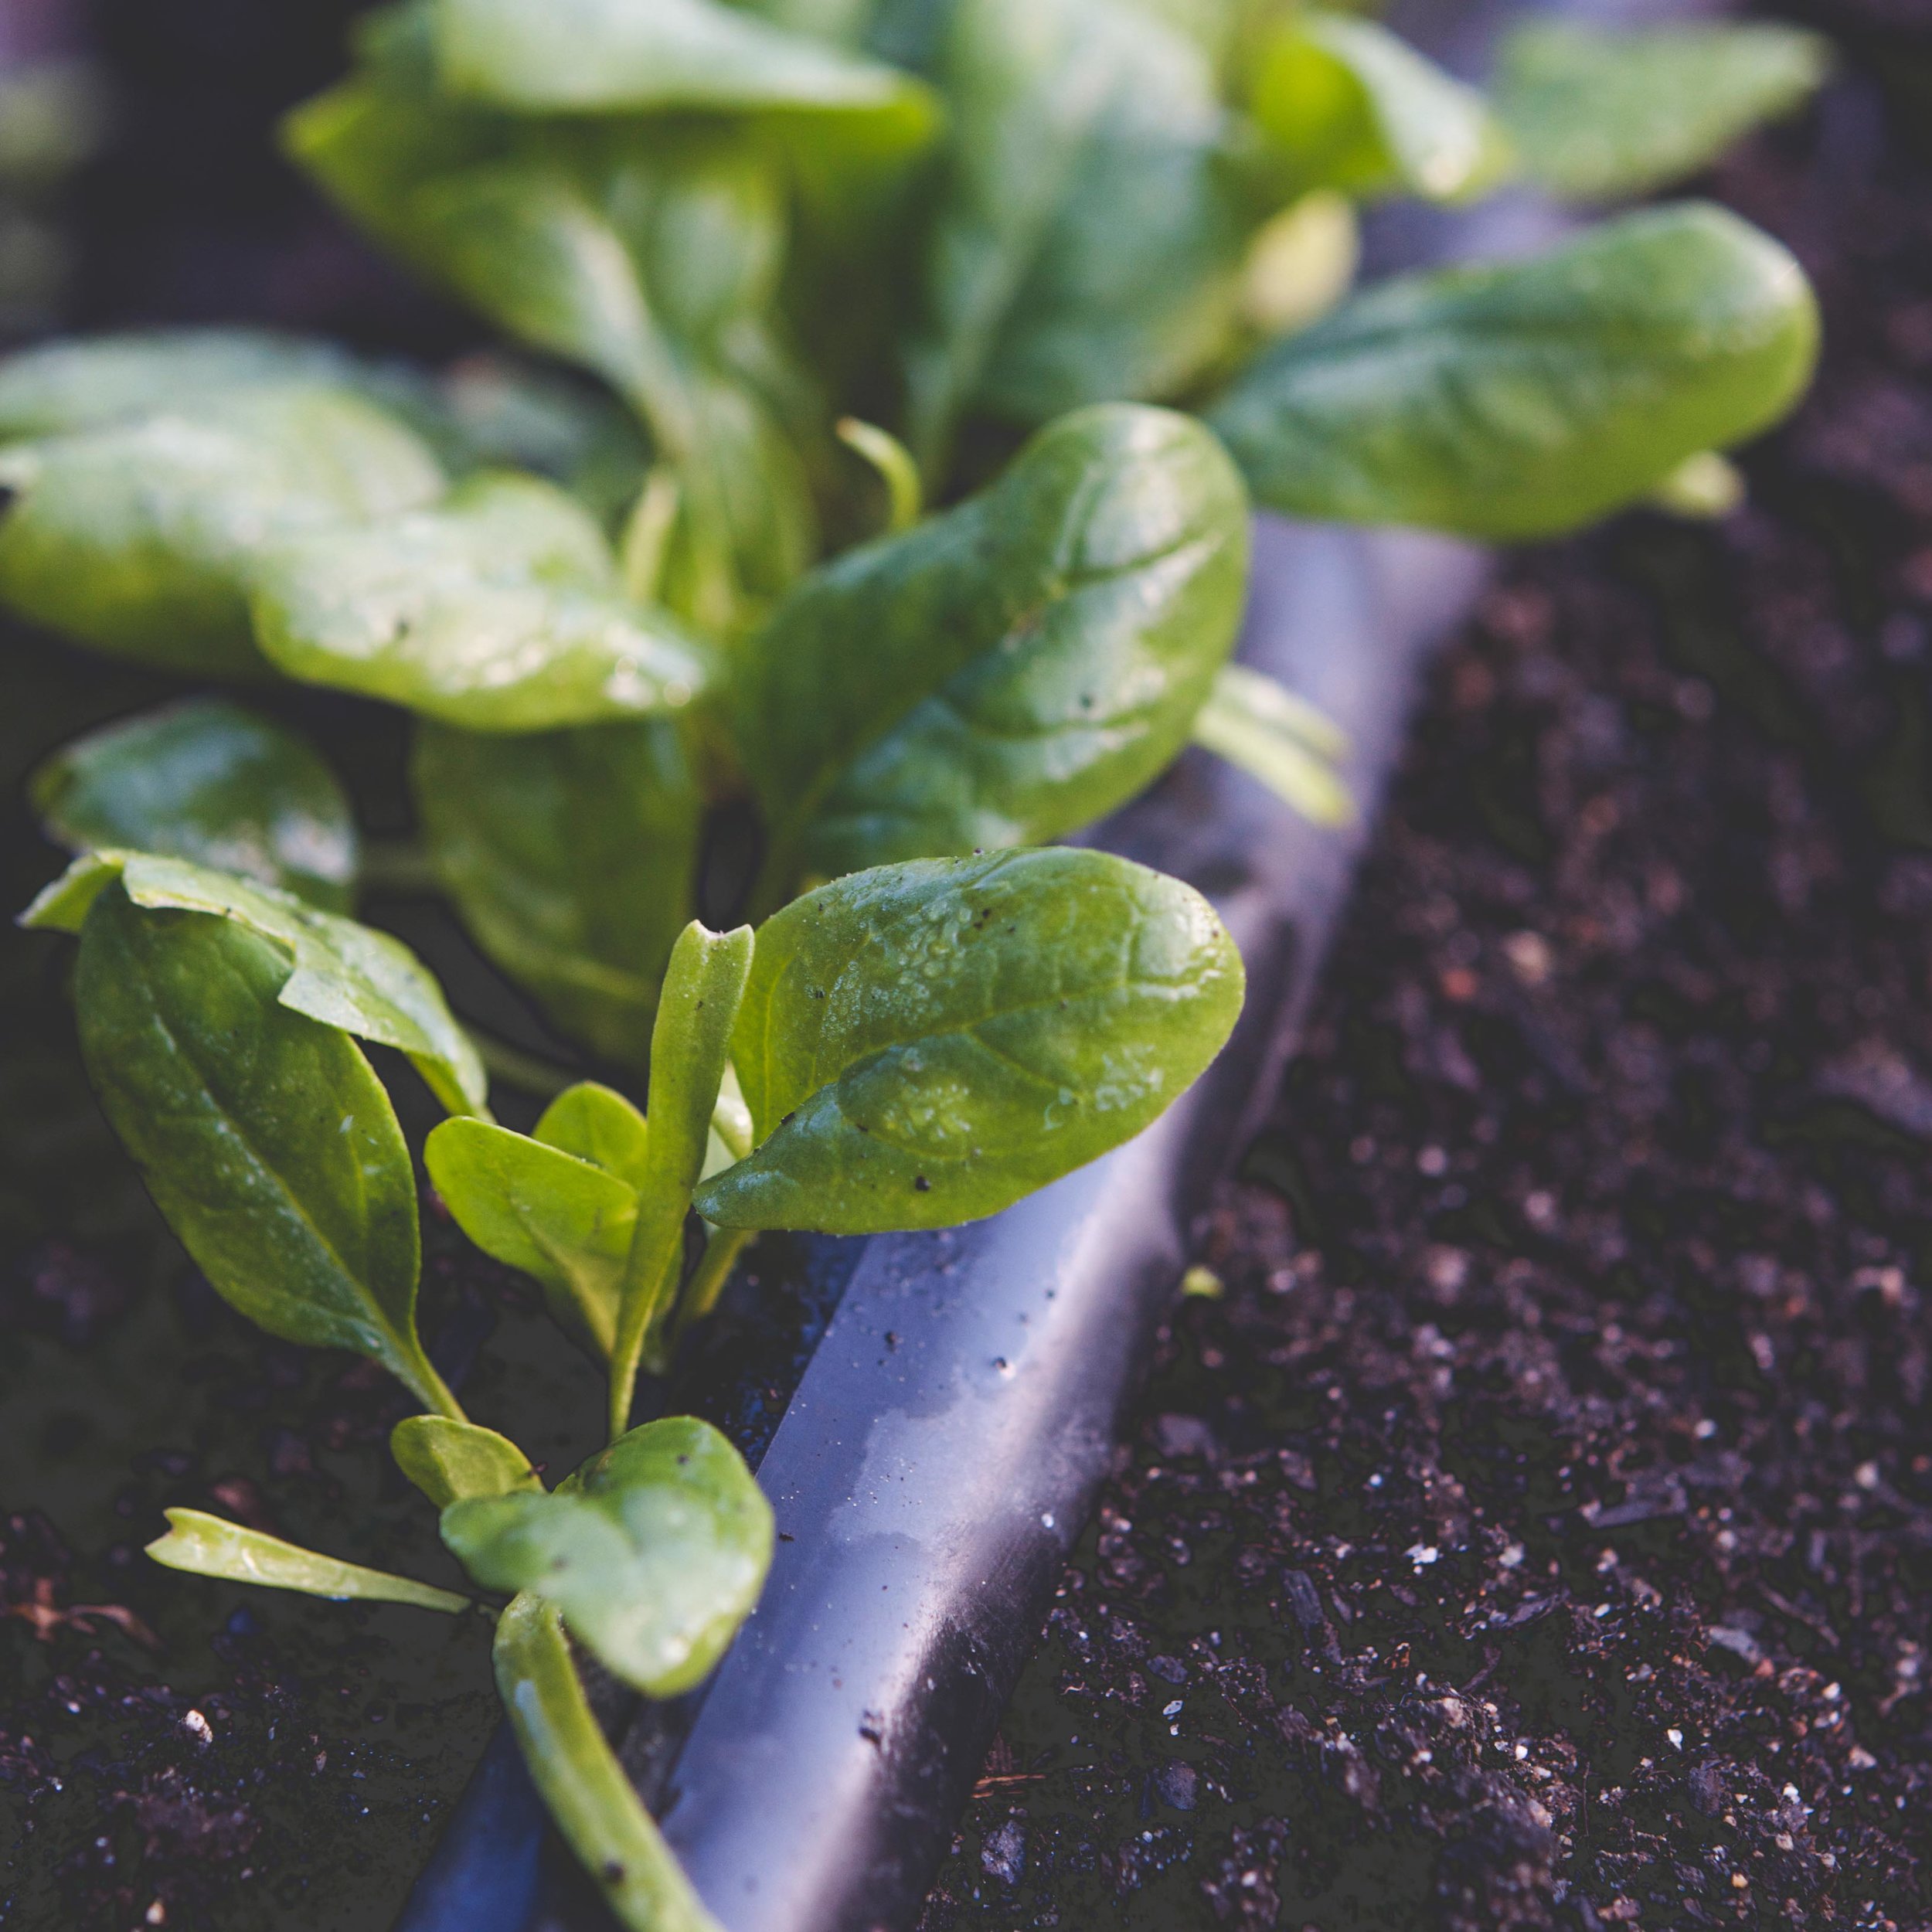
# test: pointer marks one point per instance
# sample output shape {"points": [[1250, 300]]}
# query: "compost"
{"points": [[1537, 1528]]}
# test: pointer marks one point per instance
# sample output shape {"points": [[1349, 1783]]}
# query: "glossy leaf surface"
{"points": [[1598, 115], [653, 261], [208, 781], [655, 1551], [533, 1207], [269, 1147], [924, 1044], [207, 1545], [449, 1460], [1088, 235], [345, 974], [571, 856], [1529, 398], [1029, 660], [499, 609], [585, 1789], [141, 535], [603, 56], [598, 1124], [1348, 105]]}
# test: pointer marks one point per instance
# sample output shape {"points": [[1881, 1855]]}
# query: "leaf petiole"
{"points": [[583, 1785], [905, 491]]}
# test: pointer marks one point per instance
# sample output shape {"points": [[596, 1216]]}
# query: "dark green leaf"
{"points": [[207, 1545], [537, 1208], [597, 1124], [925, 1044], [571, 856], [268, 1145], [655, 1551], [1090, 231], [1599, 115], [648, 255], [448, 1460], [1015, 669], [585, 1789], [498, 610], [1529, 398], [1347, 105], [346, 975], [209, 781], [140, 536]]}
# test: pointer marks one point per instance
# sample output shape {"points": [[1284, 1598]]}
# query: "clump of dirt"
{"points": [[1540, 1529]]}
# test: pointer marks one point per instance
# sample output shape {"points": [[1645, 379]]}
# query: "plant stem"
{"points": [[431, 1390], [584, 1786], [905, 494]]}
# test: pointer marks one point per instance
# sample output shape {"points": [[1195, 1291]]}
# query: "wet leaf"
{"points": [[571, 857], [1031, 659], [346, 974], [208, 781], [207, 1545], [924, 1044], [141, 535], [498, 609], [269, 1145], [1529, 398], [448, 1460], [1599, 115], [655, 1551]]}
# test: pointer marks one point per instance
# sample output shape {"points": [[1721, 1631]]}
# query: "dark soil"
{"points": [[1539, 1531]]}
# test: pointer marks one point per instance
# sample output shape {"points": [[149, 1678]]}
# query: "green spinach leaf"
{"points": [[587, 1790], [345, 975], [207, 1545], [269, 1147], [1004, 673], [208, 781], [499, 609], [689, 1044], [605, 56], [550, 1213], [924, 1044], [1089, 233], [572, 856], [1599, 115], [598, 1124], [655, 1551], [1526, 398], [1346, 104], [448, 1460], [140, 536]]}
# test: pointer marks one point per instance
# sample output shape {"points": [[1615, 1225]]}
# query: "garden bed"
{"points": [[328, 1787]]}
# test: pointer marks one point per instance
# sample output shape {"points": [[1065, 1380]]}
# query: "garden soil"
{"points": [[1536, 1528]]}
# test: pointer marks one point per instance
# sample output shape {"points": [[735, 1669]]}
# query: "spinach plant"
{"points": [[1021, 293]]}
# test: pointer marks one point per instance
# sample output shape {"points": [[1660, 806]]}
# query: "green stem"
{"points": [[656, 1255], [905, 494], [429, 1388], [574, 1765], [528, 1073]]}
